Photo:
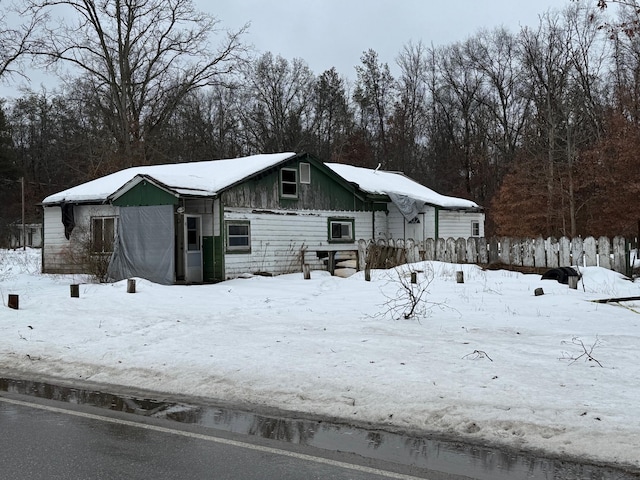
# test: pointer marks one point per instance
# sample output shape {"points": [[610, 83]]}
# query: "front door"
{"points": [[193, 248], [414, 229]]}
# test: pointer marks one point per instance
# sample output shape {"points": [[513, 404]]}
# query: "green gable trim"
{"points": [[145, 194]]}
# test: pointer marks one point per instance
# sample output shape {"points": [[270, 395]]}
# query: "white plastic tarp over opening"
{"points": [[409, 207], [144, 245]]}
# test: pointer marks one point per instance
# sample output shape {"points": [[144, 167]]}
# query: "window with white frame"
{"points": [[289, 182], [305, 173], [103, 233], [341, 229], [475, 229], [238, 236]]}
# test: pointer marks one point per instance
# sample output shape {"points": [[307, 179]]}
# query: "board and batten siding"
{"points": [[58, 252], [277, 238]]}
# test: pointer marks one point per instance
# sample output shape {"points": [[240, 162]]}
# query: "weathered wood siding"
{"points": [[323, 193], [278, 236], [60, 255]]}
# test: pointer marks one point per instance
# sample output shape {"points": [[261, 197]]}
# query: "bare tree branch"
{"points": [[141, 58], [17, 39]]}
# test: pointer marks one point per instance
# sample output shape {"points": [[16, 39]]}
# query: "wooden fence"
{"points": [[538, 253]]}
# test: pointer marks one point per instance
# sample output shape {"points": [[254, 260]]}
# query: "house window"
{"points": [[341, 230], [238, 236], [289, 182], [305, 173], [103, 230], [475, 229], [193, 234]]}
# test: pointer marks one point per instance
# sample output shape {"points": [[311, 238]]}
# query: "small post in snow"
{"points": [[13, 301], [75, 290], [573, 282], [306, 270], [459, 276], [131, 285]]}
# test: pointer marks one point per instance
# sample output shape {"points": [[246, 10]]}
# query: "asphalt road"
{"points": [[43, 439]]}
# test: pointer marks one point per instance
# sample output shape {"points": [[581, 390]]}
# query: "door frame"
{"points": [[193, 264]]}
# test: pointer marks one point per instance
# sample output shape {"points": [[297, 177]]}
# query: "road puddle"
{"points": [[453, 458]]}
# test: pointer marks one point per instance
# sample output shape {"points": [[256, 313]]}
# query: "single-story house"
{"points": [[28, 234], [214, 220]]}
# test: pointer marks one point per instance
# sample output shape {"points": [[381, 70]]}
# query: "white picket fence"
{"points": [[613, 254]]}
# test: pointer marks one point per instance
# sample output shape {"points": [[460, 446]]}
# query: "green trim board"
{"points": [[336, 228]]}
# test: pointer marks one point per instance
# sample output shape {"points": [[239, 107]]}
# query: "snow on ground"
{"points": [[489, 362]]}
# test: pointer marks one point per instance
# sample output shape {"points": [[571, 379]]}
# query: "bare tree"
{"points": [[547, 59], [17, 39], [277, 103], [141, 57], [409, 117], [495, 54]]}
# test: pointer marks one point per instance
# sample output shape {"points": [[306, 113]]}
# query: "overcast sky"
{"points": [[335, 33]]}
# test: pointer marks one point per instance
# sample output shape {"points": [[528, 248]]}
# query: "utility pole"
{"points": [[24, 228]]}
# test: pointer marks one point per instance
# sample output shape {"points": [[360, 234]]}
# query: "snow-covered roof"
{"points": [[208, 178], [385, 183], [202, 178]]}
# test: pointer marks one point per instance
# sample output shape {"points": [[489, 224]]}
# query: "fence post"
{"points": [[573, 281], [74, 290]]}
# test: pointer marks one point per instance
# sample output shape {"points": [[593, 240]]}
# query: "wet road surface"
{"points": [[422, 457], [39, 441]]}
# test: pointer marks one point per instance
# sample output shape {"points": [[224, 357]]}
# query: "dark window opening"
{"points": [[289, 182], [102, 234]]}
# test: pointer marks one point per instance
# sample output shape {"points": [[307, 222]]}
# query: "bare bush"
{"points": [[585, 352], [83, 256], [409, 299]]}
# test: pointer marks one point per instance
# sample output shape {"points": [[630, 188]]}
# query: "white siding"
{"points": [[205, 208], [381, 226], [429, 221], [395, 222], [277, 238], [454, 224], [457, 224], [59, 254]]}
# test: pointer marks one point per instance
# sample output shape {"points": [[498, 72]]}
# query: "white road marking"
{"points": [[223, 441]]}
